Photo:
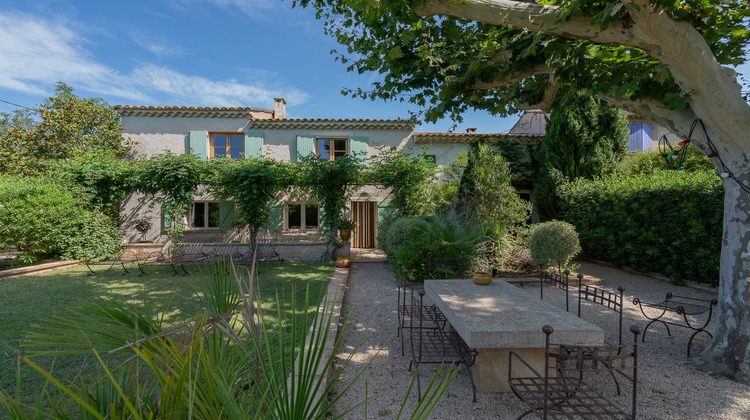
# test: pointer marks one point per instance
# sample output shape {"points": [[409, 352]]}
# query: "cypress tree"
{"points": [[585, 137]]}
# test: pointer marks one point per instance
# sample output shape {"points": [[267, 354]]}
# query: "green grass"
{"points": [[29, 300]]}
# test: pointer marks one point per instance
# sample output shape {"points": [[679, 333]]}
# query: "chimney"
{"points": [[279, 109], [472, 130]]}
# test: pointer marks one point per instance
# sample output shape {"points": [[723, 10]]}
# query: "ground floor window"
{"points": [[302, 216], [204, 214]]}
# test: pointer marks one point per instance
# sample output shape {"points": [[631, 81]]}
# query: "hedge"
{"points": [[668, 222], [44, 219]]}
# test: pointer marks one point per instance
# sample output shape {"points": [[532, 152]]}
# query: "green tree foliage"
{"points": [[251, 184], [43, 218], [175, 180], [554, 242], [407, 176], [585, 137], [652, 160], [69, 125], [330, 182], [486, 195], [450, 63], [667, 222], [444, 195], [104, 178], [20, 118]]}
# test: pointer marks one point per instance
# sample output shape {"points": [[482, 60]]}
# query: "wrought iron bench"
{"points": [[556, 280], [177, 258], [446, 267], [124, 258], [561, 390], [434, 345], [681, 305]]}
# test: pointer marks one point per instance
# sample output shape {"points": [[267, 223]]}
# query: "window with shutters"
{"points": [[330, 148], [231, 145], [304, 216], [205, 215]]}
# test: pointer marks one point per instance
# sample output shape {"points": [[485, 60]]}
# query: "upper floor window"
{"points": [[331, 148], [204, 214], [231, 145]]}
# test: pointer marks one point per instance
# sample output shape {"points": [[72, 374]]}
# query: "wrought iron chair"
{"points": [[433, 345], [433, 318], [186, 253], [605, 299], [560, 391], [128, 257], [556, 280]]}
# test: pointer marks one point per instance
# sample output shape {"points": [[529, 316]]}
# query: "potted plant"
{"points": [[143, 224], [346, 225], [482, 275]]}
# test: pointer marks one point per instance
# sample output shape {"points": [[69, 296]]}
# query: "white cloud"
{"points": [[157, 44], [200, 91], [35, 53]]}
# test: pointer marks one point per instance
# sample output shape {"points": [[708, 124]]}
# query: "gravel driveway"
{"points": [[668, 388]]}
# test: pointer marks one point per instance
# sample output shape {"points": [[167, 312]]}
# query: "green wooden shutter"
{"points": [[226, 213], [384, 208], [166, 217], [358, 146], [305, 146], [253, 144], [276, 216], [198, 144]]}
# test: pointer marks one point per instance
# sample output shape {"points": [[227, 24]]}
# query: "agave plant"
{"points": [[226, 362]]}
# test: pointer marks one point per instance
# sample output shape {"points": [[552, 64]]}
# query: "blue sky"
{"points": [[188, 53]]}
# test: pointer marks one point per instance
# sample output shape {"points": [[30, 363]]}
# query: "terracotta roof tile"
{"points": [[190, 111], [334, 123], [465, 138]]}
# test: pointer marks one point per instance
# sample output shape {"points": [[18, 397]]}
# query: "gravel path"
{"points": [[668, 388]]}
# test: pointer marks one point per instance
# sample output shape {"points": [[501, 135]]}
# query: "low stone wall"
{"points": [[289, 250]]}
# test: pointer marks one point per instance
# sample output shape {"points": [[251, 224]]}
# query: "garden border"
{"points": [[657, 276], [15, 273]]}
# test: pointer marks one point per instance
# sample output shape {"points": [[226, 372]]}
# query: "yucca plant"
{"points": [[232, 364]]}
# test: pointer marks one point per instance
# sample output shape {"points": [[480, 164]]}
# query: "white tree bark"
{"points": [[715, 98]]}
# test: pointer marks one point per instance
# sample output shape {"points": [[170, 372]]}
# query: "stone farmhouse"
{"points": [[234, 132]]}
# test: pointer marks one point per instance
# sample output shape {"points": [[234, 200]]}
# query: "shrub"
{"points": [[485, 192], [554, 241], [444, 235], [402, 232], [43, 219], [652, 161], [667, 221]]}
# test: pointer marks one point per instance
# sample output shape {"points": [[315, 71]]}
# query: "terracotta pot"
{"points": [[343, 262], [482, 278], [345, 234]]}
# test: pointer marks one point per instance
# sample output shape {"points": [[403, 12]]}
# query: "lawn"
{"points": [[29, 300]]}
